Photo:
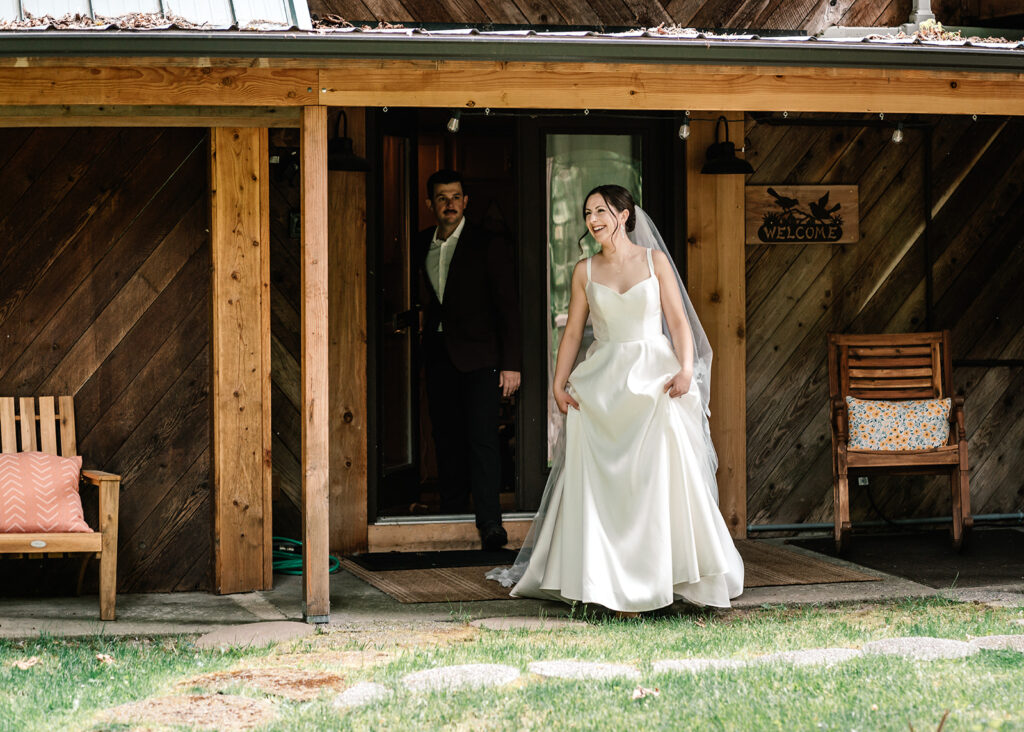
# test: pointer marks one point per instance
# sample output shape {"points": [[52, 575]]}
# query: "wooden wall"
{"points": [[807, 15], [105, 265], [797, 294]]}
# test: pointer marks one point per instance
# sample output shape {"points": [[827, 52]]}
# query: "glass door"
{"points": [[574, 165], [569, 158]]}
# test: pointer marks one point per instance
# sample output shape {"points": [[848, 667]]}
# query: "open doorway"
{"points": [[525, 174]]}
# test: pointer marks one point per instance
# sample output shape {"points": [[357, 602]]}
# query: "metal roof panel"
{"points": [[117, 8], [10, 9], [56, 8], [218, 13]]}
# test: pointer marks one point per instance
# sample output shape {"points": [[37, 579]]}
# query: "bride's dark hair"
{"points": [[616, 198]]}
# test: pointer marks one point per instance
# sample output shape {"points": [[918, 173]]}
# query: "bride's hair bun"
{"points": [[618, 198]]}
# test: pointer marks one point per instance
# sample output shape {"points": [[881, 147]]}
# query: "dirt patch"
{"points": [[384, 637], [291, 683], [334, 659], [203, 711]]}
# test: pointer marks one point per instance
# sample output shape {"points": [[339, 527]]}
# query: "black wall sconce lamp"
{"points": [[721, 156], [340, 155]]}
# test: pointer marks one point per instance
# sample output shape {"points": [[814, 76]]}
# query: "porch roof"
{"points": [[644, 46]]}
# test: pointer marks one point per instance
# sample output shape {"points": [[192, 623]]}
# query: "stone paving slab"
{"points": [[256, 634], [361, 695], [526, 623], [921, 648], [811, 656], [695, 665], [1000, 643], [473, 675], [571, 669], [1018, 621]]}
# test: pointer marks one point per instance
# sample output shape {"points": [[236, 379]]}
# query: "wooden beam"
{"points": [[168, 85], [497, 84], [240, 244], [315, 391], [347, 323], [147, 116], [666, 87], [717, 285]]}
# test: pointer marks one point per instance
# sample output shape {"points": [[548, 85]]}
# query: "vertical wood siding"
{"points": [[809, 15], [797, 294], [105, 265]]}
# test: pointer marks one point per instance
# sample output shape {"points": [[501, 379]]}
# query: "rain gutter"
{"points": [[486, 47]]}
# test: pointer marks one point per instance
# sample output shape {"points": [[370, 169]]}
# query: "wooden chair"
{"points": [[897, 366], [43, 430]]}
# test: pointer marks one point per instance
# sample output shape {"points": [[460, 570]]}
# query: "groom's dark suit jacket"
{"points": [[480, 313]]}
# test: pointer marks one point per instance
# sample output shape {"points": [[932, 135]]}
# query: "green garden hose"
{"points": [[288, 557]]}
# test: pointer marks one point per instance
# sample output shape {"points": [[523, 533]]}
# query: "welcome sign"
{"points": [[802, 215]]}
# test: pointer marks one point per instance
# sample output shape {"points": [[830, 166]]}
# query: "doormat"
{"points": [[765, 565], [992, 556], [390, 561], [436, 584]]}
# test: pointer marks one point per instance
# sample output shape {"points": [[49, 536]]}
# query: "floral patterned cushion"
{"points": [[918, 424]]}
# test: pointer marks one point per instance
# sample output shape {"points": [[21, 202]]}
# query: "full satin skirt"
{"points": [[633, 522]]}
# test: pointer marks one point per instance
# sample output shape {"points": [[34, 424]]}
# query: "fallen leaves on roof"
{"points": [[77, 21]]}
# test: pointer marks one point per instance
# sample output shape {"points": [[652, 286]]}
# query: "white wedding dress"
{"points": [[632, 521]]}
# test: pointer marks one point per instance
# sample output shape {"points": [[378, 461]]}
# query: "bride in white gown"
{"points": [[629, 518]]}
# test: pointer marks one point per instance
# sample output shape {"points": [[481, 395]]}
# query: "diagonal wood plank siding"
{"points": [[795, 295], [807, 15], [106, 266], [285, 350]]}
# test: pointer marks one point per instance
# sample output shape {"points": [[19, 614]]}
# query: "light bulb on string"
{"points": [[897, 134], [684, 128], [453, 122]]}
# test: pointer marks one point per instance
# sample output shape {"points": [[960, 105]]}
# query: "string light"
{"points": [[897, 134], [684, 128], [453, 121]]}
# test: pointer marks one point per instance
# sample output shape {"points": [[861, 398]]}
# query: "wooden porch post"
{"points": [[315, 393], [240, 241], [347, 242], [717, 286]]}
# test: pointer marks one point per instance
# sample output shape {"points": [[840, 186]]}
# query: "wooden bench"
{"points": [[38, 426], [895, 367]]}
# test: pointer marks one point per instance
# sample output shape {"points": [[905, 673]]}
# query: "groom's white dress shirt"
{"points": [[439, 258]]}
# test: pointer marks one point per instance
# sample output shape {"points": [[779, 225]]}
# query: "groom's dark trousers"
{"points": [[479, 336]]}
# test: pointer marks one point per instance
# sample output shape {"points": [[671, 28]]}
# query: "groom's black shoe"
{"points": [[493, 537]]}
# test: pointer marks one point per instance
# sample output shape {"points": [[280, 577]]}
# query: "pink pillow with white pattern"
{"points": [[39, 494]]}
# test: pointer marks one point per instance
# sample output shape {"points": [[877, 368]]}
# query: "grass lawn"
{"points": [[73, 684]]}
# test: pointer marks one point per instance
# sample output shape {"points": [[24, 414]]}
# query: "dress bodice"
{"points": [[633, 315]]}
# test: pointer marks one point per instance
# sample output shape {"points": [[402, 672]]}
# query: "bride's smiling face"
{"points": [[602, 220]]}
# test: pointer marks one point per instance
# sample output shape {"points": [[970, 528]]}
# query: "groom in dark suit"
{"points": [[472, 348]]}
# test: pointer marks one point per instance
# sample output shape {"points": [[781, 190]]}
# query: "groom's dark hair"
{"points": [[616, 198], [443, 177]]}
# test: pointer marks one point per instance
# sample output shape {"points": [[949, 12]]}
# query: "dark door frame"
{"points": [[663, 157]]}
